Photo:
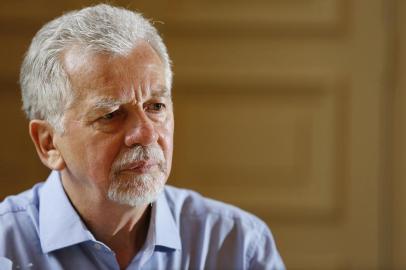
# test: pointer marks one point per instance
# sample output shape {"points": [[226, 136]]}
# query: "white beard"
{"points": [[137, 189]]}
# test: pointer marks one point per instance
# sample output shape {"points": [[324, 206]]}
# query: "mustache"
{"points": [[140, 153]]}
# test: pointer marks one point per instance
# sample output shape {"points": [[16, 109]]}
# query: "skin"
{"points": [[138, 112]]}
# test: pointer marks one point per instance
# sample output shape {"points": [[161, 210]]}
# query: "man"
{"points": [[96, 86]]}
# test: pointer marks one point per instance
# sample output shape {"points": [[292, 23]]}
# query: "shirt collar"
{"points": [[163, 226], [59, 224]]}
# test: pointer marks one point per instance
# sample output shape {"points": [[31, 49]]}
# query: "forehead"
{"points": [[106, 74]]}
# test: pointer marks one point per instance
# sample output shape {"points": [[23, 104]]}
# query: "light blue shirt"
{"points": [[40, 229]]}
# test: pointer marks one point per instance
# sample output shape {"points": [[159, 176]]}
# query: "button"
{"points": [[97, 246]]}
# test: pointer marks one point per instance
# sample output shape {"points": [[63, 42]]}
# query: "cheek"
{"points": [[166, 141], [100, 154]]}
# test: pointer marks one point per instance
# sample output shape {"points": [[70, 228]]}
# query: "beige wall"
{"points": [[284, 108], [398, 161]]}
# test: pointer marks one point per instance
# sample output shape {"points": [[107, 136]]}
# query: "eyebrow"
{"points": [[101, 104], [106, 103]]}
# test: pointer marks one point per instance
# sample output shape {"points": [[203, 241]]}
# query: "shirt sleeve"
{"points": [[264, 254]]}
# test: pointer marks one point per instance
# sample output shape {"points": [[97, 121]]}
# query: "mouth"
{"points": [[139, 167]]}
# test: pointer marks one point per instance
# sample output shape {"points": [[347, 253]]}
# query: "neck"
{"points": [[124, 233], [121, 227]]}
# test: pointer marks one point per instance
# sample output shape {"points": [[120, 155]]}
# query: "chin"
{"points": [[136, 191]]}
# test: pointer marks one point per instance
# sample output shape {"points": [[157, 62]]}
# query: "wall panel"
{"points": [[277, 107]]}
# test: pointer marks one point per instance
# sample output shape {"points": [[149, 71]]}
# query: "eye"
{"points": [[110, 116], [156, 107]]}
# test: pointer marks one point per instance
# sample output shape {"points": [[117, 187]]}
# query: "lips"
{"points": [[140, 167]]}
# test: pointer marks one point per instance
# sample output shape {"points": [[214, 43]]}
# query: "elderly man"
{"points": [[96, 86]]}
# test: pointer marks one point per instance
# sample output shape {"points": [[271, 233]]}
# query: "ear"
{"points": [[42, 134]]}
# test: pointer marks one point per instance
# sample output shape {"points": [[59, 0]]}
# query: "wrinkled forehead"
{"points": [[102, 72]]}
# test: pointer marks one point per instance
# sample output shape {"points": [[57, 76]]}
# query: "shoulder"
{"points": [[203, 219], [22, 202], [18, 218], [219, 230], [189, 204]]}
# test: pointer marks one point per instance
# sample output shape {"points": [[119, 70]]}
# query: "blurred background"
{"points": [[294, 110]]}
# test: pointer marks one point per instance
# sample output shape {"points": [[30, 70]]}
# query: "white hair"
{"points": [[46, 90]]}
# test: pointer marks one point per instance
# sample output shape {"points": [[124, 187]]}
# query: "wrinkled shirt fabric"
{"points": [[40, 229]]}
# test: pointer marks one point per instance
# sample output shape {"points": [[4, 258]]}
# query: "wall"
{"points": [[282, 108]]}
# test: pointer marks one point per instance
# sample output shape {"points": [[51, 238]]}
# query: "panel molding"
{"points": [[205, 18], [297, 17], [309, 197]]}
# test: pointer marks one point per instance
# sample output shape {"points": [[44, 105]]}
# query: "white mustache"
{"points": [[140, 153]]}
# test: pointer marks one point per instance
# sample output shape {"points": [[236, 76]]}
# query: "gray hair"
{"points": [[46, 90]]}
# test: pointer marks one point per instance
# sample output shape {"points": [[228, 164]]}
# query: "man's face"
{"points": [[118, 136]]}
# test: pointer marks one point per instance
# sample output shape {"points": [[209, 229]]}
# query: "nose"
{"points": [[141, 130]]}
